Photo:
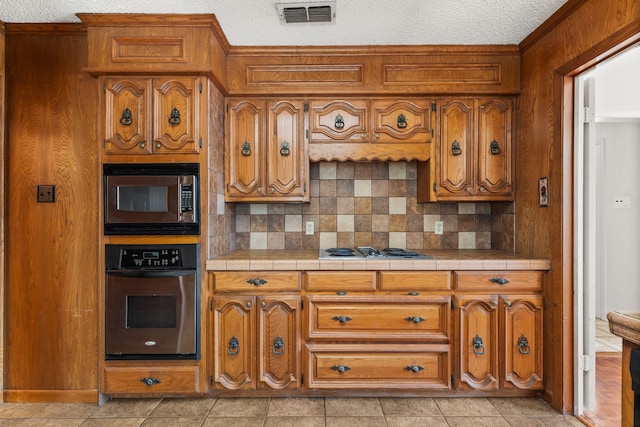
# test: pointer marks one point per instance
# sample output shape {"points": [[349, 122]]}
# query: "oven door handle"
{"points": [[151, 273]]}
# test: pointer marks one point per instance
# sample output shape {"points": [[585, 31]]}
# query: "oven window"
{"points": [[151, 311], [142, 199]]}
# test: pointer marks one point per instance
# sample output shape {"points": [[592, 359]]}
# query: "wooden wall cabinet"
{"points": [[363, 129], [500, 335], [473, 155], [256, 337], [154, 115], [266, 152]]}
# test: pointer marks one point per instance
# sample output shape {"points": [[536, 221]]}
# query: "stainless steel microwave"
{"points": [[158, 198]]}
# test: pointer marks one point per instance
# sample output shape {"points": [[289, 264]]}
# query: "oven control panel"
{"points": [[148, 258]]}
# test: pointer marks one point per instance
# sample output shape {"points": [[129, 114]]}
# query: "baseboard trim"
{"points": [[50, 396]]}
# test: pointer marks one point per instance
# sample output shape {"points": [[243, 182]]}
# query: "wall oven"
{"points": [[158, 198], [152, 301]]}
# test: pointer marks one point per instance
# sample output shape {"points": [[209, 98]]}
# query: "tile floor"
{"points": [[283, 412], [606, 342]]}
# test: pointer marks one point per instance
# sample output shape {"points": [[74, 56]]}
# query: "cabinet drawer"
{"points": [[382, 366], [378, 317], [340, 281], [256, 280], [415, 280], [144, 380], [498, 281]]}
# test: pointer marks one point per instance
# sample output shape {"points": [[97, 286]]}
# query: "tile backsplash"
{"points": [[372, 204]]}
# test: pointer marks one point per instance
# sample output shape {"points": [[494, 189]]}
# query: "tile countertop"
{"points": [[472, 259], [625, 324]]}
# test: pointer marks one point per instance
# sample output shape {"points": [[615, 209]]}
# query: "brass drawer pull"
{"points": [[339, 122], [499, 280], [414, 319], [413, 293], [257, 282], [278, 345], [340, 368], [341, 319], [234, 347], [414, 368], [478, 345], [523, 345]]}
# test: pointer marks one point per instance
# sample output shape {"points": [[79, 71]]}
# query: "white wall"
{"points": [[620, 227], [618, 132], [618, 86]]}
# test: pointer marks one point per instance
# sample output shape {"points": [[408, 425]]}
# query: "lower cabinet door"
{"points": [[278, 344], [411, 366], [523, 341], [234, 342], [151, 380], [477, 318]]}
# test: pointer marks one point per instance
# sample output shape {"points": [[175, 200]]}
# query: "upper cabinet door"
{"points": [[127, 105], [244, 170], [495, 147], [176, 115], [403, 121], [454, 157], [286, 150], [338, 121]]}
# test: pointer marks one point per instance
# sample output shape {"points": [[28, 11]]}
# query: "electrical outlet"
{"points": [[622, 202], [309, 228], [46, 193], [439, 227]]}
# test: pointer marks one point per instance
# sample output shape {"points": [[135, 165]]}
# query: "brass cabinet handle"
{"points": [[150, 381], [494, 147], [174, 117], [142, 145], [414, 319], [284, 149], [402, 121], [263, 304], [339, 122], [126, 118], [248, 304], [341, 368], [246, 149], [257, 282], [413, 293], [234, 346], [523, 345], [278, 345], [455, 148], [499, 280], [341, 319], [414, 368], [478, 345]]}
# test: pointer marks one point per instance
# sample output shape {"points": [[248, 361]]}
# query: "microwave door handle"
{"points": [[151, 273]]}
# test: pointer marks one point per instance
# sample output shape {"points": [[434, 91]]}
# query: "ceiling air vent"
{"points": [[307, 13]]}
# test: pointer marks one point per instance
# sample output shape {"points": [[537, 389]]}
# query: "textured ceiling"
{"points": [[358, 22]]}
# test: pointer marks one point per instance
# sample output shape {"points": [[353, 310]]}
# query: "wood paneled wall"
{"points": [[577, 36], [2, 204], [52, 282]]}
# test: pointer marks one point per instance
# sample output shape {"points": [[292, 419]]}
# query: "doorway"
{"points": [[606, 236]]}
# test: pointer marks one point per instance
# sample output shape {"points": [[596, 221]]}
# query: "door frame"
{"points": [[597, 54]]}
